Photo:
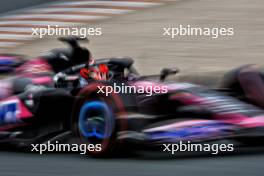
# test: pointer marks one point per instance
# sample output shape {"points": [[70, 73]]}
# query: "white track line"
{"points": [[14, 36], [37, 23], [54, 16], [93, 10], [14, 29], [8, 44], [110, 3]]}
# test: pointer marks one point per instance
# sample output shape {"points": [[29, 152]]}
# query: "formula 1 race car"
{"points": [[184, 112], [109, 103]]}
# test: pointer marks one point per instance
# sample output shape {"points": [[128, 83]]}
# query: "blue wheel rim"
{"points": [[96, 120]]}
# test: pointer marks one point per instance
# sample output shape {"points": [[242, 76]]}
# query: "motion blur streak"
{"points": [[140, 36]]}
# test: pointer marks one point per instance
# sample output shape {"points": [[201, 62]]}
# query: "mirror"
{"points": [[165, 72]]}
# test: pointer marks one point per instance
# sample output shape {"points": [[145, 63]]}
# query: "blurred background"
{"points": [[139, 34]]}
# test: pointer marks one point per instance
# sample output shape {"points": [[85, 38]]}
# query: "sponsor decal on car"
{"points": [[9, 111]]}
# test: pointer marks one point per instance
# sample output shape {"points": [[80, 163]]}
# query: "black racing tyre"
{"points": [[94, 119], [252, 141]]}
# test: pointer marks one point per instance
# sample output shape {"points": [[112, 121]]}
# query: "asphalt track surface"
{"points": [[139, 35], [248, 162], [12, 5]]}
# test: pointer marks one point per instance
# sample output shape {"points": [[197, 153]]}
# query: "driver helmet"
{"points": [[98, 72]]}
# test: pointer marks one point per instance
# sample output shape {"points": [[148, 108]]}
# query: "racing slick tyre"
{"points": [[94, 120], [251, 141]]}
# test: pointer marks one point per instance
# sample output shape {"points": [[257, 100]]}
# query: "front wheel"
{"points": [[95, 122]]}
